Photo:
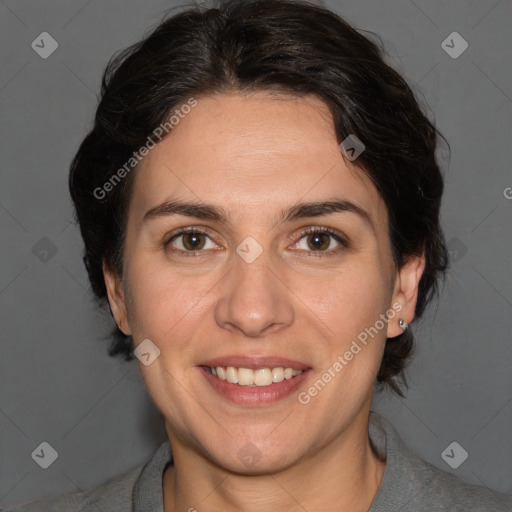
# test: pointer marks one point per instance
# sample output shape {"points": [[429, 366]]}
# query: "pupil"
{"points": [[317, 237], [196, 243]]}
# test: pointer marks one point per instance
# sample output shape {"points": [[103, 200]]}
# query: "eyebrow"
{"points": [[298, 211]]}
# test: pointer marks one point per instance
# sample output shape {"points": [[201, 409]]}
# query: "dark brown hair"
{"points": [[292, 46]]}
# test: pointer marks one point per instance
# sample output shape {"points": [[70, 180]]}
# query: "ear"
{"points": [[406, 292], [116, 298]]}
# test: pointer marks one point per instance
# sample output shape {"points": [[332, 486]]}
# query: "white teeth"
{"points": [[277, 375], [231, 375], [263, 377], [252, 378], [245, 377]]}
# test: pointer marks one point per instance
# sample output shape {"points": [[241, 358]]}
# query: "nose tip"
{"points": [[253, 300]]}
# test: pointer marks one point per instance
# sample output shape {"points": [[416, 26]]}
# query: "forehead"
{"points": [[252, 155]]}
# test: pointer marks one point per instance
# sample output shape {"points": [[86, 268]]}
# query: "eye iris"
{"points": [[195, 245], [318, 236]]}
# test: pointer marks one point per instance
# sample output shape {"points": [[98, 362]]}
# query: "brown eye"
{"points": [[192, 240], [318, 240]]}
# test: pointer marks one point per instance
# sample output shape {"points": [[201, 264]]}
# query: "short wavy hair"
{"points": [[290, 46]]}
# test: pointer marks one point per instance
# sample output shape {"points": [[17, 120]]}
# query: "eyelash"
{"points": [[191, 230]]}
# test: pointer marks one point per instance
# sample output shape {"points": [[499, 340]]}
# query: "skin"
{"points": [[254, 155]]}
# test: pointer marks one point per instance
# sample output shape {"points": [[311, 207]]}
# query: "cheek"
{"points": [[350, 298], [350, 303], [163, 301]]}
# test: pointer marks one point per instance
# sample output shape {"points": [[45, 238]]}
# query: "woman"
{"points": [[259, 201]]}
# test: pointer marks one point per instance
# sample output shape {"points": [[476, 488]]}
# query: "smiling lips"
{"points": [[256, 380]]}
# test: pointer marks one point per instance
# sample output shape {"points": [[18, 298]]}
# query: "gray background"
{"points": [[57, 382]]}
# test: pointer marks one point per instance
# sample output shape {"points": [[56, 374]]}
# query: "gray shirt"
{"points": [[409, 484]]}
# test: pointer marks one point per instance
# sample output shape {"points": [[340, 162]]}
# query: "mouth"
{"points": [[254, 381]]}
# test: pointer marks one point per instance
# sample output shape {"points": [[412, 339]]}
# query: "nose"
{"points": [[254, 299]]}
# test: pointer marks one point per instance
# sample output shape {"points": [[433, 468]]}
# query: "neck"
{"points": [[345, 475]]}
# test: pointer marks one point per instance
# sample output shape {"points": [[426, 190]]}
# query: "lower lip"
{"points": [[257, 395]]}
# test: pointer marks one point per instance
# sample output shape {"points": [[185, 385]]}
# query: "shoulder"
{"points": [[444, 491], [115, 494], [411, 483]]}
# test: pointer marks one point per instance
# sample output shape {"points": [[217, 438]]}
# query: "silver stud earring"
{"points": [[402, 324]]}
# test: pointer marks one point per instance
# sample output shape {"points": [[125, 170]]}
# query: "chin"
{"points": [[248, 457], [252, 463]]}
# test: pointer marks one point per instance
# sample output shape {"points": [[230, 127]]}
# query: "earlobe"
{"points": [[406, 293], [116, 298]]}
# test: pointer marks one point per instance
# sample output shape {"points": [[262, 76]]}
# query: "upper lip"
{"points": [[254, 362]]}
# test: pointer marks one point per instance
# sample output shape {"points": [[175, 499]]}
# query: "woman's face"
{"points": [[257, 289]]}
